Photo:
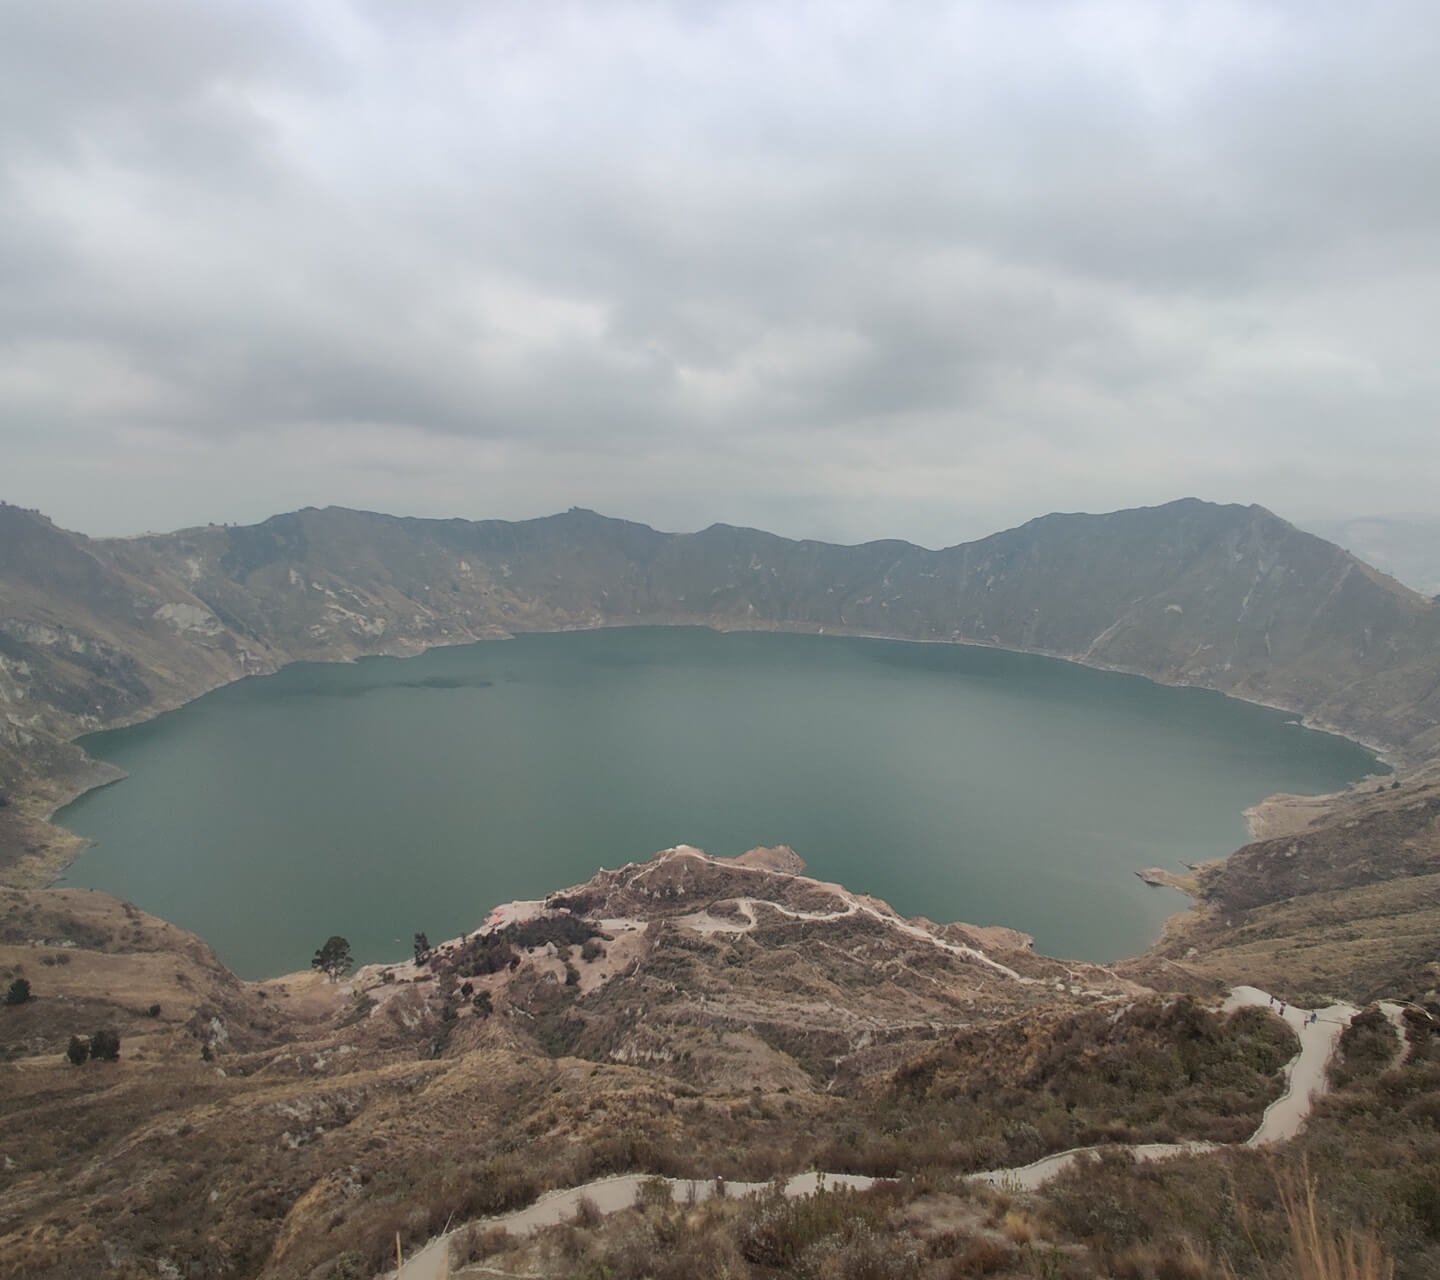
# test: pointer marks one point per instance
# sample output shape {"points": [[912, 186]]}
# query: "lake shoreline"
{"points": [[67, 855]]}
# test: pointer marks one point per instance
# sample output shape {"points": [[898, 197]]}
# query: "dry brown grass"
{"points": [[983, 1256], [1018, 1227], [1180, 1260], [1318, 1251]]}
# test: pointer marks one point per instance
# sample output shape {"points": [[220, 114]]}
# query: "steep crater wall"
{"points": [[98, 633]]}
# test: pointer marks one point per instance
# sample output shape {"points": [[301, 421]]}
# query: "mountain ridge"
{"points": [[102, 632]]}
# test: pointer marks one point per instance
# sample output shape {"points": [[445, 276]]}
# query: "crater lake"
{"points": [[386, 796]]}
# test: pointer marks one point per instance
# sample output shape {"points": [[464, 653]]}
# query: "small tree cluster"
{"points": [[103, 1046]]}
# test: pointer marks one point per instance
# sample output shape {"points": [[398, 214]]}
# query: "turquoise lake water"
{"points": [[387, 796]]}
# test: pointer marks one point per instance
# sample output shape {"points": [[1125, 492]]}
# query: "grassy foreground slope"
{"points": [[293, 1128]]}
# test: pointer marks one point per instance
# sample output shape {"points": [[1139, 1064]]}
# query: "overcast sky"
{"points": [[837, 270]]}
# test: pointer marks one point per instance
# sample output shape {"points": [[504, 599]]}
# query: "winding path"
{"points": [[705, 922], [610, 1195], [1305, 1080]]}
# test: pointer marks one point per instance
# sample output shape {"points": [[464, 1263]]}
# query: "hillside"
{"points": [[1346, 904], [685, 1016], [96, 633], [724, 1017]]}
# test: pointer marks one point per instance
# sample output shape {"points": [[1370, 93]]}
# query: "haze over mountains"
{"points": [[1408, 547], [98, 632]]}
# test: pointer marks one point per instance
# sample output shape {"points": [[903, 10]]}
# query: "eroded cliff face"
{"points": [[95, 633]]}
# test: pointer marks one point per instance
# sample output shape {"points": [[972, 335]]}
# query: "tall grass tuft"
{"points": [[1319, 1251]]}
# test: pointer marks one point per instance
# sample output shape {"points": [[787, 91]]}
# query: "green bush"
{"points": [[1367, 1046], [105, 1046]]}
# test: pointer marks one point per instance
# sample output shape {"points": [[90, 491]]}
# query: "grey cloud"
{"points": [[802, 260]]}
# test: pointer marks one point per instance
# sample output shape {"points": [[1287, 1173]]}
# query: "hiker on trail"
{"points": [[1272, 1002], [1282, 1008]]}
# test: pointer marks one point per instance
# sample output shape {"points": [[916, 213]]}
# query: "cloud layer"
{"points": [[828, 268]]}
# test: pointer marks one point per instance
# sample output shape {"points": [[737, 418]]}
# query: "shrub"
{"points": [[587, 1213], [1160, 1262], [105, 1046], [1095, 1201], [982, 1257], [1018, 1228], [78, 1051], [1367, 1046], [488, 953], [863, 1254], [778, 1230], [563, 931], [478, 1243], [655, 1192], [153, 1011], [19, 991]]}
